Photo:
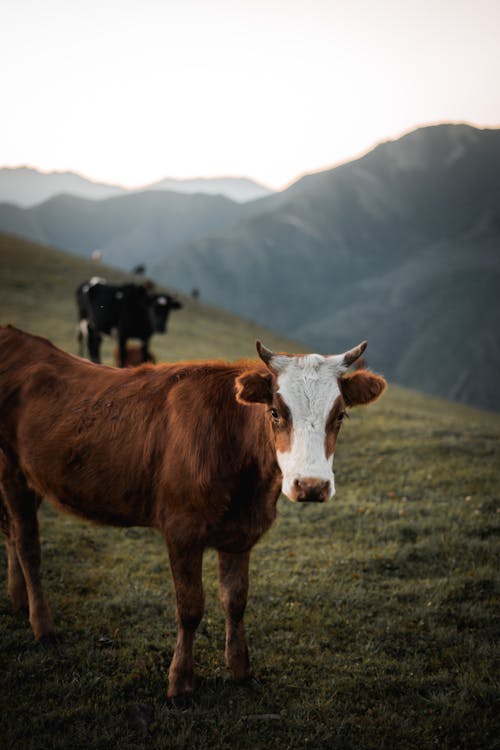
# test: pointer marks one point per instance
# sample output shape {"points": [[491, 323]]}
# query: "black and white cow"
{"points": [[82, 306], [128, 309]]}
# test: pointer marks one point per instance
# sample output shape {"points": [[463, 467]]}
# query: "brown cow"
{"points": [[134, 356], [198, 450]]}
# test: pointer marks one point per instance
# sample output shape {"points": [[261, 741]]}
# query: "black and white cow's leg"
{"points": [[146, 356], [94, 344], [233, 591], [122, 350], [82, 336]]}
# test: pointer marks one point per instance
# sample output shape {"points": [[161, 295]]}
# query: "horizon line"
{"points": [[326, 168]]}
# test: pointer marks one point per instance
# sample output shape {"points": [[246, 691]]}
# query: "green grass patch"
{"points": [[372, 620]]}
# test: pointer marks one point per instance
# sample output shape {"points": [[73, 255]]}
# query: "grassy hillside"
{"points": [[372, 620], [37, 293]]}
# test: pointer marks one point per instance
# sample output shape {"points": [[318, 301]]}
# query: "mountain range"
{"points": [[401, 246], [26, 186]]}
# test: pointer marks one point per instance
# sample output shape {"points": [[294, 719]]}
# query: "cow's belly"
{"points": [[90, 483], [101, 504], [86, 459], [98, 510]]}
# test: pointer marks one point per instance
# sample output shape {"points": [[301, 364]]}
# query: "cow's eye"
{"points": [[274, 415], [341, 416]]}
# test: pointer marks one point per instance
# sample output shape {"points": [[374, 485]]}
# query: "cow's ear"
{"points": [[361, 387], [254, 388]]}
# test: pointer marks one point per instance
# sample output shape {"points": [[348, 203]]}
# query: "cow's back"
{"points": [[23, 359], [113, 445]]}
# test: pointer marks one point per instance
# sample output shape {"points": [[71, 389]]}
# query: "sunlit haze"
{"points": [[130, 92]]}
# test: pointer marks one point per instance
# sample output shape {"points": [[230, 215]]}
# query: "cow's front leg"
{"points": [[94, 344], [186, 563], [146, 356], [122, 348], [233, 589]]}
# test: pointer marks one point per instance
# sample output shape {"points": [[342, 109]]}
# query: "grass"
{"points": [[372, 621]]}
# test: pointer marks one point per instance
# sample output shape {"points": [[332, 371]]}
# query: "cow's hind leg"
{"points": [[22, 505], [233, 589], [82, 336], [16, 585], [186, 563]]}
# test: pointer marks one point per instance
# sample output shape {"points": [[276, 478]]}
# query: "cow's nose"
{"points": [[311, 490]]}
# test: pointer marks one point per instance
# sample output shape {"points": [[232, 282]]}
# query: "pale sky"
{"points": [[130, 91]]}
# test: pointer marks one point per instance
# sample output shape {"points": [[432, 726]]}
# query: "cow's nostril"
{"points": [[309, 489]]}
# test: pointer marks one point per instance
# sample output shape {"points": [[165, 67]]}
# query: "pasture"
{"points": [[372, 620]]}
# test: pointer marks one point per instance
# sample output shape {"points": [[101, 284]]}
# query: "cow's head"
{"points": [[160, 306], [307, 397]]}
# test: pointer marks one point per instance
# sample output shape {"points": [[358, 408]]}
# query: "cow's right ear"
{"points": [[254, 388]]}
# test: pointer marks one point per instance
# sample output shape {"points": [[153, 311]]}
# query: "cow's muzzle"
{"points": [[310, 490]]}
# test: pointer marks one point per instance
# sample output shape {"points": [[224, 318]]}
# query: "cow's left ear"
{"points": [[254, 388], [361, 387]]}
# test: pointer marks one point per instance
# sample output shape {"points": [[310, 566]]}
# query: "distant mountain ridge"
{"points": [[401, 246], [26, 186], [238, 189], [127, 229]]}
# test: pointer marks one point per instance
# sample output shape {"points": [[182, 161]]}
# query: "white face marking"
{"points": [[308, 385]]}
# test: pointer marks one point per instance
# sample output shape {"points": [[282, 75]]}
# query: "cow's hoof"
{"points": [[252, 683], [47, 639], [182, 702]]}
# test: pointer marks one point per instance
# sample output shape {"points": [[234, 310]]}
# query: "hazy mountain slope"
{"points": [[128, 229], [393, 247], [432, 323], [25, 186], [398, 247]]}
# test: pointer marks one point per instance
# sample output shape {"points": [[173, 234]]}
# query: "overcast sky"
{"points": [[130, 91]]}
